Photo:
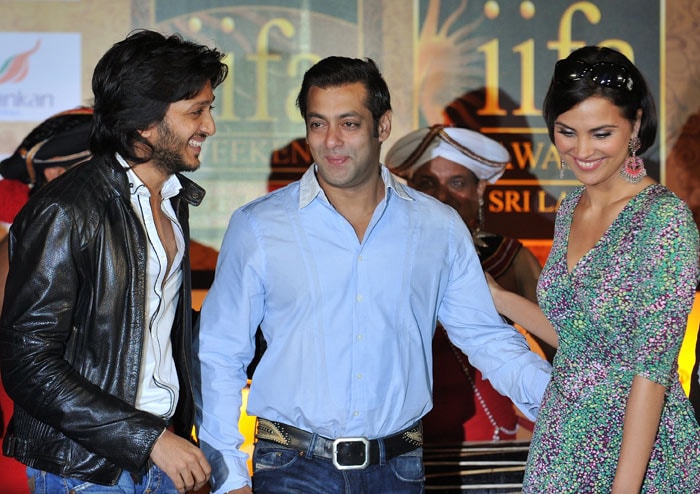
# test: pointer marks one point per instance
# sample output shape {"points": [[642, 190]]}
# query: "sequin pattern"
{"points": [[620, 312]]}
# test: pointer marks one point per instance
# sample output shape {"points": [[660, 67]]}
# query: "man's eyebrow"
{"points": [[342, 115]]}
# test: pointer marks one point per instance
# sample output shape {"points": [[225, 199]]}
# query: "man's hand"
{"points": [[182, 461]]}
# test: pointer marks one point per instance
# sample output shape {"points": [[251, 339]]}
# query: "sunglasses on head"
{"points": [[606, 74]]}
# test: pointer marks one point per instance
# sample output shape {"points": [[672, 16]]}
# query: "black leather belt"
{"points": [[347, 453]]}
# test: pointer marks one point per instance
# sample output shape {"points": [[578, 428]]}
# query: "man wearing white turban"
{"points": [[455, 165]]}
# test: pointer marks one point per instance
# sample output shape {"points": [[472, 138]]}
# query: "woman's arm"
{"points": [[522, 312], [642, 417], [527, 270]]}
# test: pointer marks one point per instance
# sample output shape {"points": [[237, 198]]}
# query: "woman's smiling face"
{"points": [[593, 139]]}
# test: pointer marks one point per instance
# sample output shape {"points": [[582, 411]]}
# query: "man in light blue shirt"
{"points": [[347, 272]]}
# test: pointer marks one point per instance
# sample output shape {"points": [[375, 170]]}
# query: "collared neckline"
{"points": [[309, 187], [170, 189]]}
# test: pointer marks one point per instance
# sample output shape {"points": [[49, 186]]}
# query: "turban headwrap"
{"points": [[483, 156]]}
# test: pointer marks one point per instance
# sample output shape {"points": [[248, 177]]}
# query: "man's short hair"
{"points": [[338, 71]]}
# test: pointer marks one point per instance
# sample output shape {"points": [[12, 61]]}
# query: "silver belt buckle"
{"points": [[362, 440]]}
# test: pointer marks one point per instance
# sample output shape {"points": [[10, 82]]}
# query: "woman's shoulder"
{"points": [[656, 208], [657, 200]]}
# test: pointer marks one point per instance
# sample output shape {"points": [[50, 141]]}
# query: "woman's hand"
{"points": [[523, 312]]}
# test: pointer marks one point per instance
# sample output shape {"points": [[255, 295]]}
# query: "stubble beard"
{"points": [[166, 155]]}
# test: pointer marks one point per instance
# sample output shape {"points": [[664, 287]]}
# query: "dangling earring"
{"points": [[633, 168], [561, 168], [480, 216], [478, 234]]}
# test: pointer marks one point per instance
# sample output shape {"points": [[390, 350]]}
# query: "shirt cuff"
{"points": [[227, 473], [539, 386]]}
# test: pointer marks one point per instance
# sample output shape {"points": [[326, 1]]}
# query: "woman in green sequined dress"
{"points": [[616, 292]]}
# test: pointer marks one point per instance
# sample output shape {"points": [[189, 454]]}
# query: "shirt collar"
{"points": [[309, 188], [170, 189]]}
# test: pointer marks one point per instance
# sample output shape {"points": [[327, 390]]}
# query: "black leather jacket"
{"points": [[71, 331]]}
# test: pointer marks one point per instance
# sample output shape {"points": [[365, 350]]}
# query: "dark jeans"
{"points": [[279, 469], [154, 482]]}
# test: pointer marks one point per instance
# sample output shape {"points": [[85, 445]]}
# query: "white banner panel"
{"points": [[40, 75]]}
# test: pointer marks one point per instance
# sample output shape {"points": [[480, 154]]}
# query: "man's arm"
{"points": [[498, 350], [229, 318], [38, 336]]}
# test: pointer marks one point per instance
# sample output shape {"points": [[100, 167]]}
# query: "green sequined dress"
{"points": [[620, 312]]}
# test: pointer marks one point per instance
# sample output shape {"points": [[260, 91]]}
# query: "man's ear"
{"points": [[481, 187], [147, 133], [384, 126]]}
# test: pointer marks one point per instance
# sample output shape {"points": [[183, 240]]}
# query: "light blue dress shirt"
{"points": [[348, 324]]}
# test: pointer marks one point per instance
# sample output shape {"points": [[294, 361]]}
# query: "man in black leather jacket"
{"points": [[96, 327]]}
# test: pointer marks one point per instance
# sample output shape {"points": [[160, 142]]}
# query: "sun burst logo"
{"points": [[16, 67]]}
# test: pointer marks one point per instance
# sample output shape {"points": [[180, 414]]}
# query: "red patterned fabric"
{"points": [[479, 427], [499, 254], [13, 195]]}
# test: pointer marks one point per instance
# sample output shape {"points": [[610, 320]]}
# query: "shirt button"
{"points": [[360, 337], [355, 413], [360, 298], [359, 376]]}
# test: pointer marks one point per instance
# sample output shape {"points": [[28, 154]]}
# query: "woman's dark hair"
{"points": [[338, 71], [599, 71], [138, 78]]}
